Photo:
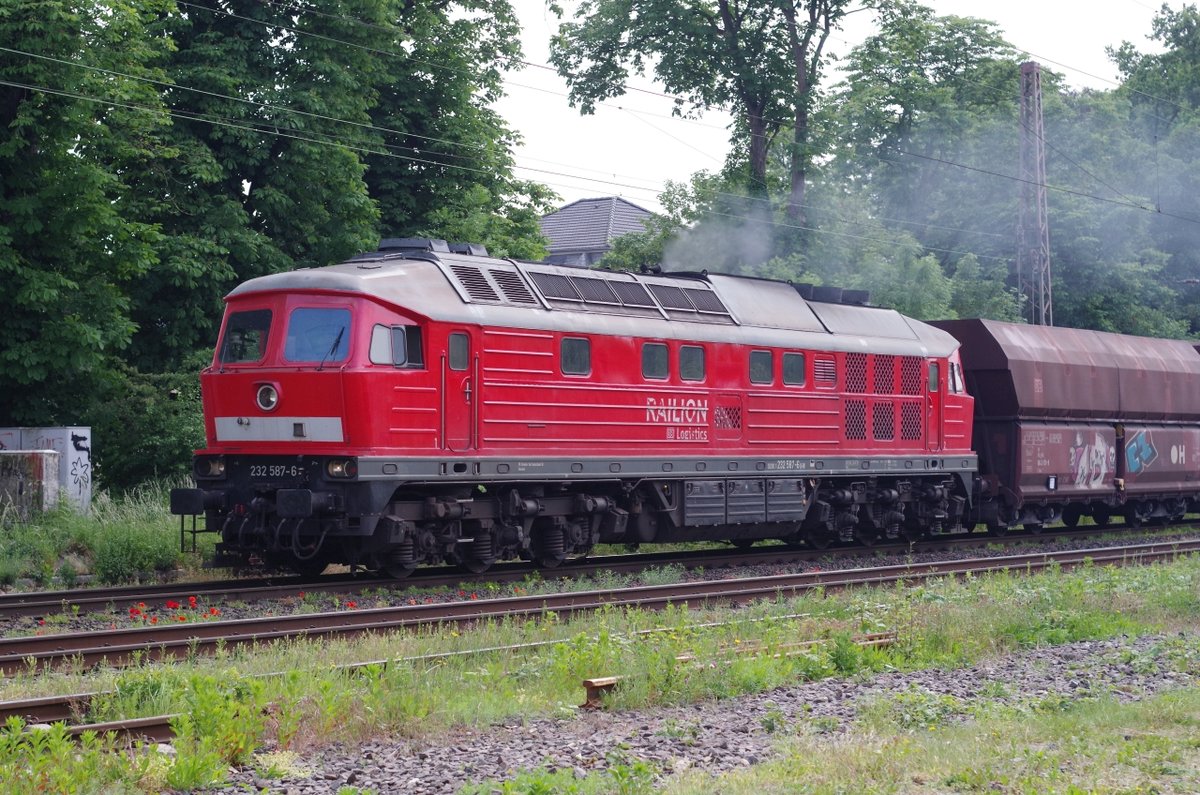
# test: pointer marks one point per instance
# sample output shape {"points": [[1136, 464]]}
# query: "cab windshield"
{"points": [[246, 336], [318, 335]]}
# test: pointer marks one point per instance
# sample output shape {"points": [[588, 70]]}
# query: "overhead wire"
{"points": [[326, 142], [537, 170]]}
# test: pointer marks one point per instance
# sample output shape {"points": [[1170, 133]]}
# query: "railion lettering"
{"points": [[677, 411]]}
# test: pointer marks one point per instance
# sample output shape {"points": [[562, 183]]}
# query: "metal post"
{"points": [[1033, 226]]}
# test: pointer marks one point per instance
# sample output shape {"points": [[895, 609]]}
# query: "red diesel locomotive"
{"points": [[424, 405]]}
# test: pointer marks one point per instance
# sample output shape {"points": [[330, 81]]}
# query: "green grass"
{"points": [[125, 538], [235, 714], [1097, 746]]}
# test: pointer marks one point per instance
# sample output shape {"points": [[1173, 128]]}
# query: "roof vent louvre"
{"points": [[475, 283], [705, 300], [671, 297], [632, 294], [554, 285], [513, 287], [594, 290]]}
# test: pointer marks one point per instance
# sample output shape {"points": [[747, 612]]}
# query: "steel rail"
{"points": [[118, 647], [97, 600]]}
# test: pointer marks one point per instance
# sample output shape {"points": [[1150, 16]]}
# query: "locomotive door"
{"points": [[457, 391], [933, 424]]}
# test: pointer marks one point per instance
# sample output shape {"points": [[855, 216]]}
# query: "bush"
{"points": [[127, 554], [145, 426]]}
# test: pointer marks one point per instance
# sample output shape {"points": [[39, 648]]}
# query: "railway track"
{"points": [[71, 708], [99, 600], [164, 642]]}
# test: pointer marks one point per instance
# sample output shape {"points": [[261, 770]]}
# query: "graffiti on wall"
{"points": [[1140, 453], [81, 466], [1092, 460]]}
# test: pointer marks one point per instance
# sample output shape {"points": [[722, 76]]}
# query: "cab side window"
{"points": [[458, 351], [399, 346]]}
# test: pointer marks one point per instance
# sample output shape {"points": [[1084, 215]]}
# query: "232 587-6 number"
{"points": [[275, 470]]}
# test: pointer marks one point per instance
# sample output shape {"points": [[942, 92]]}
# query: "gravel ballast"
{"points": [[717, 736]]}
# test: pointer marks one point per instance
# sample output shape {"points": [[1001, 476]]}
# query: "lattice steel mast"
{"points": [[1033, 226]]}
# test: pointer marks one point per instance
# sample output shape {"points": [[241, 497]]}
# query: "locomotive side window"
{"points": [[246, 336], [458, 351], [956, 379], [575, 356], [317, 335], [933, 377], [762, 367], [793, 369], [654, 360], [691, 363], [399, 346]]}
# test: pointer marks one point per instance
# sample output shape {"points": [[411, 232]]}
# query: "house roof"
{"points": [[591, 224]]}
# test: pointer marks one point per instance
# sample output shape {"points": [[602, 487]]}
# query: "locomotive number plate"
{"points": [[275, 471]]}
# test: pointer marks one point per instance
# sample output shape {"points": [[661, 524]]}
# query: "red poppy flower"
{"points": [[172, 604], [212, 611], [351, 605]]}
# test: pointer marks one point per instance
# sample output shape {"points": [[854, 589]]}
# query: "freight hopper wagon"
{"points": [[422, 405], [1072, 423]]}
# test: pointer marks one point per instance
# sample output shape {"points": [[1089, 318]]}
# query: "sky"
{"points": [[632, 145]]}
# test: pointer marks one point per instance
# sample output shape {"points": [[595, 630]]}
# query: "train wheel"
{"points": [[743, 543], [401, 562], [867, 536], [1101, 517], [1071, 515], [476, 566], [480, 554], [550, 546], [399, 571]]}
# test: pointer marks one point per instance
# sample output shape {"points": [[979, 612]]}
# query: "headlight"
{"points": [[341, 468], [267, 397], [213, 467]]}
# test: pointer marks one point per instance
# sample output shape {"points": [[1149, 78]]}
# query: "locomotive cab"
{"points": [[287, 399]]}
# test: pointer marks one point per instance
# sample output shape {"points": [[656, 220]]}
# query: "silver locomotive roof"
{"points": [[471, 288]]}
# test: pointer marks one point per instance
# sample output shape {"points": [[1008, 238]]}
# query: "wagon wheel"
{"points": [[1133, 516], [1071, 515], [820, 537], [743, 543], [1101, 516]]}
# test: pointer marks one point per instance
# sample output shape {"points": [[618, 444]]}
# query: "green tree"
{"points": [[444, 166], [72, 241], [976, 292], [762, 56], [269, 116]]}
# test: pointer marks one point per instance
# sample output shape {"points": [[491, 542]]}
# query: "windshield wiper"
{"points": [[336, 341]]}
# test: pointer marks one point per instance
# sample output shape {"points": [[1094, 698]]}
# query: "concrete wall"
{"points": [[28, 482], [74, 446]]}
